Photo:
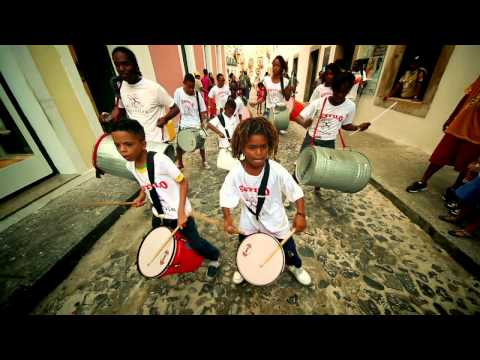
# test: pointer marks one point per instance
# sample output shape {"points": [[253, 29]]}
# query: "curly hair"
{"points": [[254, 126]]}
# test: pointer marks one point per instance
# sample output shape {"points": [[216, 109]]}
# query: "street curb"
{"points": [[456, 253], [26, 298]]}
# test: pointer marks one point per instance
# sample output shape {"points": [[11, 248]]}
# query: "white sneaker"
{"points": [[283, 132], [301, 275], [237, 278], [205, 165]]}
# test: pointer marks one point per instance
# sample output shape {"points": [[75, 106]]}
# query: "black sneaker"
{"points": [[452, 205], [212, 269], [449, 195], [416, 187]]}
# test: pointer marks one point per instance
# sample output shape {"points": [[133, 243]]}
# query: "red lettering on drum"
{"points": [[250, 189], [247, 250], [162, 261]]}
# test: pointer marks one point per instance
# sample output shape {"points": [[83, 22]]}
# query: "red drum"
{"points": [[296, 110], [176, 257]]}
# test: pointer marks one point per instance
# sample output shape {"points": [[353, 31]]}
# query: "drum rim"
{"points": [[189, 129], [283, 259], [169, 263]]}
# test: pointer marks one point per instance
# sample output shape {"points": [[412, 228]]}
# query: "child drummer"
{"points": [[230, 122], [257, 140], [170, 185]]}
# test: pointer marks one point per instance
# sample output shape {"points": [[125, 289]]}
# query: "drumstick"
{"points": [[107, 203], [378, 116], [280, 246], [164, 245]]}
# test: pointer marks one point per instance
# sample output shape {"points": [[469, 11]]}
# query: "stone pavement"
{"points": [[40, 250], [364, 255], [396, 166]]}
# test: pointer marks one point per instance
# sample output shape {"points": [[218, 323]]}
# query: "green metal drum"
{"points": [[107, 158], [343, 170], [190, 139], [280, 117]]}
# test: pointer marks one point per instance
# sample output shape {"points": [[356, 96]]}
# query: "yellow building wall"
{"points": [[56, 80]]}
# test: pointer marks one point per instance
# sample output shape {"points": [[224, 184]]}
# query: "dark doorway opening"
{"points": [[312, 74], [96, 70]]}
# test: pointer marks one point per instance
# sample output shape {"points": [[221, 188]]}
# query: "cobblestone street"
{"points": [[364, 256]]}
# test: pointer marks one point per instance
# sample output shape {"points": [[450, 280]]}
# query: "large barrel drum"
{"points": [[107, 159], [343, 170]]}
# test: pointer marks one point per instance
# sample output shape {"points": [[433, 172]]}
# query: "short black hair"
{"points": [[205, 72], [189, 77], [342, 64], [131, 57], [218, 75], [131, 126], [231, 104], [345, 78]]}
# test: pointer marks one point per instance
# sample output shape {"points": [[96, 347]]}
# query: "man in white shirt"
{"points": [[220, 93], [192, 113], [141, 99], [359, 80]]}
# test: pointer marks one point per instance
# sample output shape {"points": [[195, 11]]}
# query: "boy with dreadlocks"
{"points": [[257, 140]]}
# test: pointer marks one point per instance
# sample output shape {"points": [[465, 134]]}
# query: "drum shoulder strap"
{"points": [[198, 105], [151, 176], [261, 191], [222, 121]]}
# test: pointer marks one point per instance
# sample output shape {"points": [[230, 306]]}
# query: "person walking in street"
{"points": [[277, 86], [325, 88], [169, 200], [205, 85], [261, 95], [193, 113], [460, 145], [220, 93], [261, 205], [141, 99]]}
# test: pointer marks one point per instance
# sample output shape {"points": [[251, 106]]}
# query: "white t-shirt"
{"points": [[190, 118], [231, 123], [359, 77], [168, 189], [146, 101], [274, 92], [320, 91], [240, 186], [333, 117], [220, 95], [240, 105]]}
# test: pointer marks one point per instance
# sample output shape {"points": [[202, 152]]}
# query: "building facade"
{"points": [[51, 95]]}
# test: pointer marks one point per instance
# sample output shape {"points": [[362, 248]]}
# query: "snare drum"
{"points": [[252, 252], [225, 160], [190, 139], [176, 257]]}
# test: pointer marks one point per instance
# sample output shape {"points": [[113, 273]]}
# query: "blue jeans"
{"points": [[196, 242], [291, 254]]}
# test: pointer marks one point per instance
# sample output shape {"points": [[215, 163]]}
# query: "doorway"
{"points": [[96, 71], [312, 74]]}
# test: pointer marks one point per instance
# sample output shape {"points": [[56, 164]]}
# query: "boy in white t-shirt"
{"points": [[220, 93], [140, 98], [231, 121], [325, 116], [192, 113], [257, 139], [170, 186]]}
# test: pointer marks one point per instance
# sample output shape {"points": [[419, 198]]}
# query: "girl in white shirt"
{"points": [[231, 121], [277, 86], [325, 88], [257, 140]]}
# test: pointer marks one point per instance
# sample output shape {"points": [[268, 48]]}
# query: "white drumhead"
{"points": [[252, 252], [187, 139], [150, 246], [225, 160]]}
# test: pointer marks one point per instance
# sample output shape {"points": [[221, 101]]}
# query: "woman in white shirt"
{"points": [[325, 87], [277, 86]]}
